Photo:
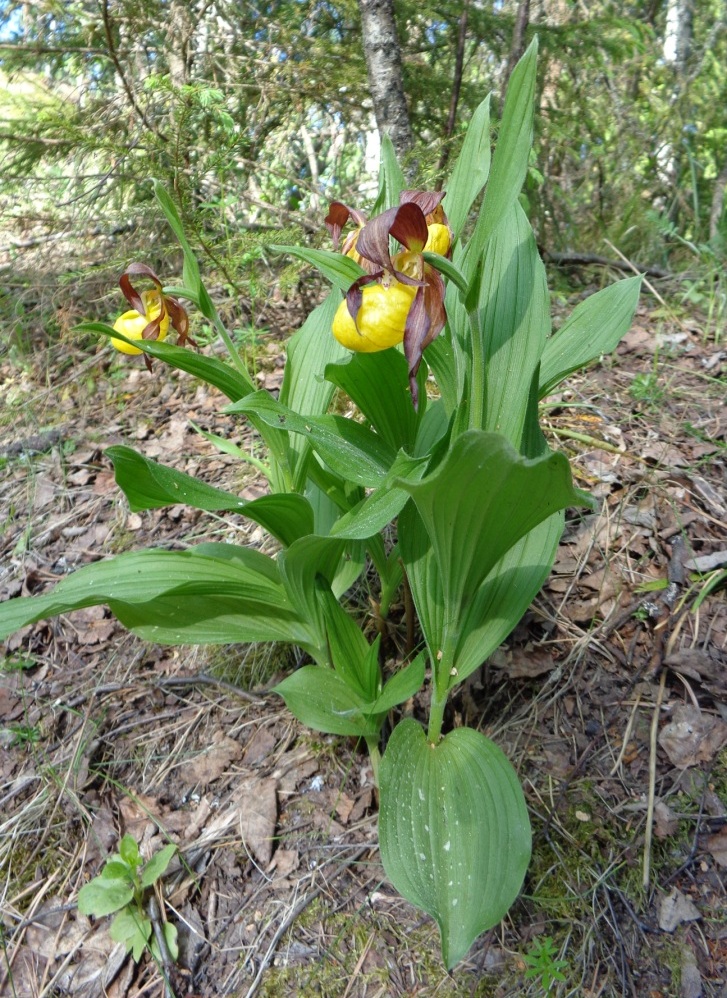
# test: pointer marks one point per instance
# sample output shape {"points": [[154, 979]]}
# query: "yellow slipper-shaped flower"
{"points": [[132, 324], [381, 319]]}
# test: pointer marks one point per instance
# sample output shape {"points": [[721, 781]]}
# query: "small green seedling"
{"points": [[123, 887], [542, 963]]}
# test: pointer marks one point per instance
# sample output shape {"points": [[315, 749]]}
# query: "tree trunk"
{"points": [[678, 34], [386, 83], [517, 47], [456, 90], [717, 208], [676, 49]]}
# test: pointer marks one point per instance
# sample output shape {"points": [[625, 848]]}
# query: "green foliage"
{"points": [[230, 108], [465, 480], [122, 888], [542, 963]]}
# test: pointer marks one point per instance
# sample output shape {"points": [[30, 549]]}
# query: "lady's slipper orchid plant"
{"points": [[399, 299], [150, 315], [453, 822]]}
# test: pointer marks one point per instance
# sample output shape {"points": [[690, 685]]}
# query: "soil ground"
{"points": [[610, 698]]}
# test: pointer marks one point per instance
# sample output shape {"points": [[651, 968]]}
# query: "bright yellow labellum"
{"points": [[381, 319], [132, 324], [438, 240]]}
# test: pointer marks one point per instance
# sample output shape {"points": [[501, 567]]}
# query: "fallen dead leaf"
{"points": [[666, 822], [251, 814], [210, 764], [524, 663], [674, 909], [285, 862], [692, 737], [717, 846]]}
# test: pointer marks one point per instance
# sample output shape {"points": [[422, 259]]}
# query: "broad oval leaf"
{"points": [[391, 178], [453, 829], [594, 327], [510, 162], [348, 448], [102, 897], [379, 385], [157, 865], [208, 369], [149, 485], [478, 503], [321, 700], [513, 322], [402, 685], [214, 593]]}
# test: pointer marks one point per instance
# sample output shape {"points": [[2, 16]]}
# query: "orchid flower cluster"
{"points": [[399, 299], [463, 304]]}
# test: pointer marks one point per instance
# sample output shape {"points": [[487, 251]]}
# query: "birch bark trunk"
{"points": [[383, 63]]}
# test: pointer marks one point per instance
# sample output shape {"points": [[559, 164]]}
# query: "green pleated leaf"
{"points": [[510, 162], [594, 327], [391, 178], [320, 699], [148, 485], [479, 502], [382, 505], [190, 273], [213, 372], [447, 269], [309, 351], [504, 596], [379, 385], [302, 563], [471, 170], [453, 830], [214, 593], [514, 322], [348, 448], [353, 658], [402, 685], [340, 270]]}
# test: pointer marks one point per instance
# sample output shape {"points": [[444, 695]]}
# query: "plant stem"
{"points": [[372, 745], [436, 716]]}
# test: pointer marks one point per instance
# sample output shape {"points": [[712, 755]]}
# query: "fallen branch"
{"points": [[593, 259]]}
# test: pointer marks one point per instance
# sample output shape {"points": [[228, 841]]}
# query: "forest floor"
{"points": [[610, 698]]}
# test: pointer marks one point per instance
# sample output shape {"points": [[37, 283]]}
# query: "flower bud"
{"points": [[438, 240]]}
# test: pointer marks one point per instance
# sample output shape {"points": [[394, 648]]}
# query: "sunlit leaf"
{"points": [[471, 169], [510, 162], [348, 448], [340, 270], [102, 897], [453, 830], [214, 593], [594, 327], [208, 369], [149, 485], [379, 385], [320, 699]]}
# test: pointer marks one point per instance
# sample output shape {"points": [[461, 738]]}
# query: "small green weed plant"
{"points": [[543, 965], [444, 349], [124, 887]]}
